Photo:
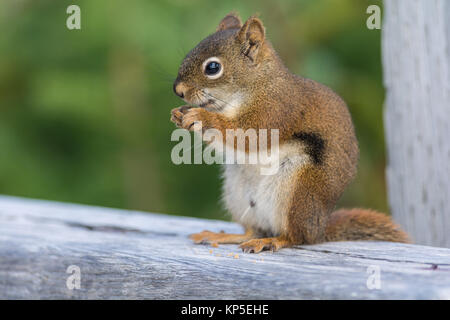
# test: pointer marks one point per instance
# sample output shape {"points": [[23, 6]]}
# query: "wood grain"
{"points": [[416, 64], [136, 255]]}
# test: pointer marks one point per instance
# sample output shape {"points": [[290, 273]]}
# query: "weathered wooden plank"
{"points": [[134, 255], [416, 65]]}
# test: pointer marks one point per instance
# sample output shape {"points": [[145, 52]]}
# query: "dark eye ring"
{"points": [[212, 68]]}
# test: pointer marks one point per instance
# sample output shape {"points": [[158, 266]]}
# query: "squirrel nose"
{"points": [[179, 89]]}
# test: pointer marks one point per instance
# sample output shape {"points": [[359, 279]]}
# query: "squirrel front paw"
{"points": [[177, 115], [190, 118]]}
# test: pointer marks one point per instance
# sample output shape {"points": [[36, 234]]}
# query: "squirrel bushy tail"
{"points": [[363, 224]]}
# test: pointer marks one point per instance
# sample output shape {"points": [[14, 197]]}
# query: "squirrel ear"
{"points": [[252, 35], [231, 21]]}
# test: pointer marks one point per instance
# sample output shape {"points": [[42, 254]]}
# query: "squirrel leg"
{"points": [[176, 115], [195, 118], [221, 237], [311, 202]]}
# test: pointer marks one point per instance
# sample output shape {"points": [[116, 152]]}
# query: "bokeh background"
{"points": [[84, 114]]}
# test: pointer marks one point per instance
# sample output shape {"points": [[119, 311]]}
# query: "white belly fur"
{"points": [[269, 194]]}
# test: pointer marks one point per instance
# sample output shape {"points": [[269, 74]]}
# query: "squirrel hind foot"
{"points": [[258, 245], [209, 237]]}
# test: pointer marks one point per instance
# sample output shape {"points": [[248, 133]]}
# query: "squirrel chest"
{"points": [[260, 201]]}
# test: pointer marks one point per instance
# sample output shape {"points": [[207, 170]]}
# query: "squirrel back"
{"points": [[235, 80]]}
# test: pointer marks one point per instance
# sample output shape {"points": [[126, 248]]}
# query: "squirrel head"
{"points": [[224, 70]]}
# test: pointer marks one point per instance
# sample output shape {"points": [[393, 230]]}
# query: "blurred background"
{"points": [[84, 114]]}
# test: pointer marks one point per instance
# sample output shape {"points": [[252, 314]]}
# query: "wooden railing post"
{"points": [[416, 63]]}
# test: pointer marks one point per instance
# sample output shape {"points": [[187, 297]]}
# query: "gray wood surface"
{"points": [[135, 255], [416, 64]]}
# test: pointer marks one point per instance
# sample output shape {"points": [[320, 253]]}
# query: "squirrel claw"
{"points": [[201, 237], [258, 245], [177, 115], [254, 246]]}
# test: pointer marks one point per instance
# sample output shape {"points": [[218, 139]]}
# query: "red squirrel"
{"points": [[235, 79]]}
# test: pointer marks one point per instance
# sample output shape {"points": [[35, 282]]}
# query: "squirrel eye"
{"points": [[212, 68]]}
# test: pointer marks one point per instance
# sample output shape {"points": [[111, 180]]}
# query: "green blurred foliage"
{"points": [[84, 114]]}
